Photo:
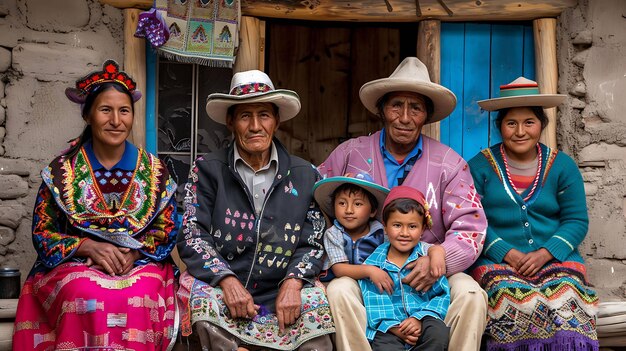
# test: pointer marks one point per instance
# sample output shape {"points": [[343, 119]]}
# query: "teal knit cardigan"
{"points": [[555, 217]]}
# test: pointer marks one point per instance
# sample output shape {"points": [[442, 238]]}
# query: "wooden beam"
{"points": [[135, 66], [377, 10], [405, 10], [251, 51], [544, 30], [429, 52]]}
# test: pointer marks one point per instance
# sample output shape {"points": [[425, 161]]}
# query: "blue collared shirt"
{"points": [[393, 169], [128, 162]]}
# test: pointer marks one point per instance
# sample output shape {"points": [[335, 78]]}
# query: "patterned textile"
{"points": [[74, 306], [385, 311], [207, 304], [201, 31], [135, 311], [73, 197], [552, 310]]}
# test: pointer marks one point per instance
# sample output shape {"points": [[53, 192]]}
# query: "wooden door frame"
{"points": [[251, 52]]}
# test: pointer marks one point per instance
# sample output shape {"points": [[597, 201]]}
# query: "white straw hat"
{"points": [[410, 75], [251, 87]]}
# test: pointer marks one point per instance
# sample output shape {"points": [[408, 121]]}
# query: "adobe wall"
{"points": [[44, 47], [592, 128]]}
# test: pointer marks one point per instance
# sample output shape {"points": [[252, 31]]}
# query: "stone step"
{"points": [[6, 335], [8, 308], [611, 324], [7, 317]]}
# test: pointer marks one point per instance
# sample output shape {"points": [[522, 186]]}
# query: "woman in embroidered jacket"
{"points": [[103, 229], [251, 235], [533, 196]]}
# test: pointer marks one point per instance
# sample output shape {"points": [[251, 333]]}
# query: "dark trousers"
{"points": [[435, 337]]}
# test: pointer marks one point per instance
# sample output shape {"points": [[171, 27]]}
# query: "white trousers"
{"points": [[467, 315]]}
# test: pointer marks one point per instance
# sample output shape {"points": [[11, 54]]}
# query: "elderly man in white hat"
{"points": [[400, 155], [251, 235]]}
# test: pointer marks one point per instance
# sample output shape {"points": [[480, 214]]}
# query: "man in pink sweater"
{"points": [[400, 155]]}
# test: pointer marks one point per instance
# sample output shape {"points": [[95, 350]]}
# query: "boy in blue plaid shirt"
{"points": [[352, 201], [404, 318]]}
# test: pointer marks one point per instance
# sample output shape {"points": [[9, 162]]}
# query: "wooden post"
{"points": [[251, 51], [544, 30], [429, 52], [135, 66]]}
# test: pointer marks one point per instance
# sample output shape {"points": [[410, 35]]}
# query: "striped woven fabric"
{"points": [[553, 310]]}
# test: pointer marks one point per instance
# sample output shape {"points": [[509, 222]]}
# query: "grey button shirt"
{"points": [[257, 182]]}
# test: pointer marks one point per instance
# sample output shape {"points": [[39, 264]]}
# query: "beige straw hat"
{"points": [[410, 75]]}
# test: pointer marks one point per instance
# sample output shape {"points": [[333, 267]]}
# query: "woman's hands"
{"points": [[237, 298], [513, 258], [530, 263], [108, 257]]}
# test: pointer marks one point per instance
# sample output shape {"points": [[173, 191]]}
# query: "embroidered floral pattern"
{"points": [[206, 304]]}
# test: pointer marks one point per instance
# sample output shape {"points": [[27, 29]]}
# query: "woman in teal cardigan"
{"points": [[534, 199]]}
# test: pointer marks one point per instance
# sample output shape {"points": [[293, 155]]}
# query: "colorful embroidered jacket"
{"points": [[554, 217], [443, 176], [72, 207], [221, 236], [384, 310]]}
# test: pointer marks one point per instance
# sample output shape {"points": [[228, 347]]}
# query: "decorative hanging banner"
{"points": [[205, 32]]}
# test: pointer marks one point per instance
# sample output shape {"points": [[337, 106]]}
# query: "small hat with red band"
{"points": [[407, 192], [521, 92]]}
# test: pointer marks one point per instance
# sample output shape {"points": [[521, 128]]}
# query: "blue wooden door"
{"points": [[475, 60]]}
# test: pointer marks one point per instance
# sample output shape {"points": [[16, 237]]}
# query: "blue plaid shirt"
{"points": [[385, 311]]}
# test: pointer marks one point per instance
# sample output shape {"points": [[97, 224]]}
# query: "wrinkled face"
{"points": [[111, 119], [520, 130], [354, 211], [404, 230], [405, 115], [253, 126]]}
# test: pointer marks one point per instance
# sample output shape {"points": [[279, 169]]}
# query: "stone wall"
{"points": [[44, 47], [592, 128]]}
